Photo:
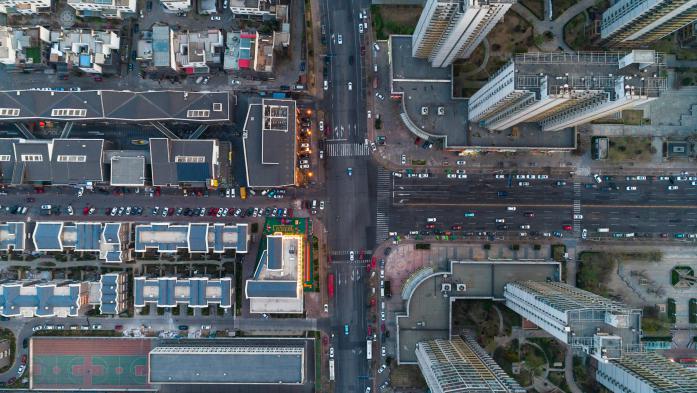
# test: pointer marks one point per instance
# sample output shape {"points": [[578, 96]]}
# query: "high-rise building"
{"points": [[560, 90], [451, 29], [460, 365], [632, 23], [645, 372], [576, 317]]}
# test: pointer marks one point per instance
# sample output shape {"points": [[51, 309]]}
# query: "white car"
{"points": [[382, 315], [370, 114], [331, 352], [460, 162], [404, 159], [523, 184], [321, 205], [376, 47], [462, 176], [326, 308], [383, 351], [21, 369], [584, 233], [215, 17], [382, 368], [543, 177], [360, 28], [500, 220], [431, 219], [80, 191], [352, 256], [578, 216], [511, 208], [500, 176], [326, 85], [672, 188], [641, 177], [321, 125], [70, 210], [339, 39], [525, 226], [631, 188], [350, 86]]}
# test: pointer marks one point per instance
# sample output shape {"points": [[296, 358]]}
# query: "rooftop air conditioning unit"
{"points": [[461, 287], [445, 287], [424, 110], [441, 110]]}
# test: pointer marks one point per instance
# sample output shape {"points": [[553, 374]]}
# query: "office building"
{"points": [[460, 365], [451, 29], [633, 23], [576, 317], [645, 372], [561, 90]]}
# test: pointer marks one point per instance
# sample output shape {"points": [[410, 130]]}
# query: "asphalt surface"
{"points": [[352, 198], [651, 210]]}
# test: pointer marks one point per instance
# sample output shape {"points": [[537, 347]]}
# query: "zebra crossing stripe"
{"points": [[347, 150]]}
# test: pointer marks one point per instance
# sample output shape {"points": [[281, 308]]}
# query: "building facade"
{"points": [[452, 29], [576, 317], [634, 23], [24, 7], [460, 365], [103, 9], [560, 90]]}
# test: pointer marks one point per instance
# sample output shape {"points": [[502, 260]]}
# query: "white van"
{"points": [[603, 230]]}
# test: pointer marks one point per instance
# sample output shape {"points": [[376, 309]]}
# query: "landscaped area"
{"points": [[481, 318], [629, 148], [407, 377], [394, 19]]}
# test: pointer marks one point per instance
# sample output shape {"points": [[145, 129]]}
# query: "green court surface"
{"points": [[89, 371]]}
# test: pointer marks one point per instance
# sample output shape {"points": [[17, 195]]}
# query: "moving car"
{"points": [[339, 39]]}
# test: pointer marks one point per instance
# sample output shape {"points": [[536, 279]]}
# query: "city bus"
{"points": [[331, 369], [369, 349], [330, 284]]}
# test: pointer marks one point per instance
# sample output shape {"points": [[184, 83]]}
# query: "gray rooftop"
{"points": [[227, 364], [269, 145], [161, 51], [482, 279], [194, 237], [116, 105], [183, 161], [127, 171]]}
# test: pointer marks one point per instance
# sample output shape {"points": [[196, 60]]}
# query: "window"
{"points": [[189, 159], [9, 112], [71, 158], [69, 112], [198, 113], [217, 107], [32, 157], [5, 157]]}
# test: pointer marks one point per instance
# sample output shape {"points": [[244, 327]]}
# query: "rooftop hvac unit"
{"points": [[441, 110], [461, 287], [445, 287], [424, 110]]}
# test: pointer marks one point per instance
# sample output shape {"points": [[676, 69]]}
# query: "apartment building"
{"points": [[103, 8], [24, 7], [452, 29], [560, 90], [23, 46], [195, 52], [635, 23], [88, 50]]}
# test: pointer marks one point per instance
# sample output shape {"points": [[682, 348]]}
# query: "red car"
{"points": [[373, 261], [567, 227], [171, 211], [98, 79], [290, 213], [86, 210], [370, 330], [456, 227], [157, 191], [39, 190], [24, 359], [361, 255], [382, 328], [430, 226]]}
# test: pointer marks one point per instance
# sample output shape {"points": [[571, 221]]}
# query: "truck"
{"points": [[603, 230], [330, 284], [243, 192], [369, 349]]}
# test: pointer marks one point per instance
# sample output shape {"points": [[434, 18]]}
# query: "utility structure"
{"points": [[635, 23], [560, 90], [451, 29]]}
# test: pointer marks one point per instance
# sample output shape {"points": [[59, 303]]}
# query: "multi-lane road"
{"points": [[545, 205]]}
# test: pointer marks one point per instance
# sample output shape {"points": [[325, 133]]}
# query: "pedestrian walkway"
{"points": [[384, 191], [340, 253], [577, 208], [347, 150]]}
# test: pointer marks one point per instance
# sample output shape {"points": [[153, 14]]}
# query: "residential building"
{"points": [[37, 298], [196, 52], [250, 51], [269, 137], [181, 162], [109, 240], [156, 48], [176, 5], [633, 23], [195, 292], [192, 237], [24, 7], [88, 50], [576, 317], [56, 161], [452, 29], [113, 293], [561, 90], [229, 361], [115, 105], [5, 353], [276, 286], [645, 372], [12, 235], [263, 8], [460, 365], [103, 8], [23, 46]]}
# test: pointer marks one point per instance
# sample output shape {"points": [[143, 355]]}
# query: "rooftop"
{"points": [[175, 162], [193, 237], [12, 236], [269, 143], [194, 292], [41, 298]]}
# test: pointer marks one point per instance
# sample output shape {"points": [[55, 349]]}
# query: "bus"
{"points": [[330, 284], [331, 369], [369, 349], [243, 193]]}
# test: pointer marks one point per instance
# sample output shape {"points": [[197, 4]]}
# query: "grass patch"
{"points": [[594, 268], [408, 376], [654, 323], [559, 6], [559, 380], [634, 117], [394, 19], [629, 148], [537, 7], [552, 348], [238, 288]]}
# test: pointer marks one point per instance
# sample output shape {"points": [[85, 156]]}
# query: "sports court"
{"points": [[104, 363]]}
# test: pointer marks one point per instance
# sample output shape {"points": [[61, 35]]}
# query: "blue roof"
{"points": [[270, 289], [85, 61], [44, 300], [12, 236], [198, 237], [274, 245], [47, 236], [193, 172], [194, 237], [197, 291], [109, 293], [111, 232], [88, 234]]}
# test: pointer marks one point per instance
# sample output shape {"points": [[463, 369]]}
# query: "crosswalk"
{"points": [[577, 207], [384, 189], [338, 253], [347, 149]]}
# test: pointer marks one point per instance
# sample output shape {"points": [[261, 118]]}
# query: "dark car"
{"points": [[502, 194], [183, 327], [149, 5], [134, 55], [136, 28]]}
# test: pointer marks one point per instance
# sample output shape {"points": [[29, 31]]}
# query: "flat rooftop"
{"points": [[428, 311]]}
